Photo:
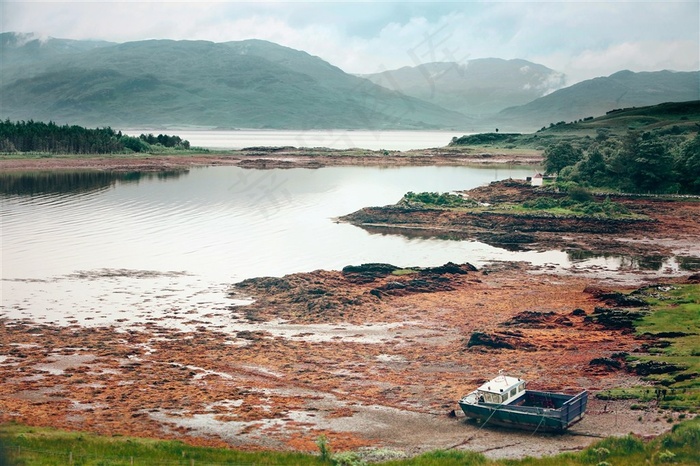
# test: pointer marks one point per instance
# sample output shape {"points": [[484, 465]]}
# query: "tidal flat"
{"points": [[366, 360]]}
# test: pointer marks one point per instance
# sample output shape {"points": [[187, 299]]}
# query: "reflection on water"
{"points": [[654, 263], [332, 138], [66, 182], [689, 263], [626, 262], [177, 240]]}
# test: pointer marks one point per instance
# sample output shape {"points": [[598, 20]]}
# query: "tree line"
{"points": [[638, 162], [34, 136]]}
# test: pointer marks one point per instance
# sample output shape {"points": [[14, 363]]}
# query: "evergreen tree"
{"points": [[687, 166], [561, 155]]}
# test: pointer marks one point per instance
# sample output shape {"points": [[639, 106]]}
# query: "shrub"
{"points": [[324, 448], [541, 203], [348, 458], [579, 194], [667, 456], [437, 199]]}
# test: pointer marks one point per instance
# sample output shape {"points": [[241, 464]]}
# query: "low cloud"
{"points": [[581, 39]]}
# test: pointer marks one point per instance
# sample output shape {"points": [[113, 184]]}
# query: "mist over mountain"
{"points": [[161, 83], [259, 84], [595, 97], [479, 87]]}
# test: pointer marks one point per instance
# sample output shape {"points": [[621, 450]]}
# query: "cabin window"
{"points": [[521, 387], [512, 392]]}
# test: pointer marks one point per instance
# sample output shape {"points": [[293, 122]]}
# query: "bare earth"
{"points": [[373, 361]]}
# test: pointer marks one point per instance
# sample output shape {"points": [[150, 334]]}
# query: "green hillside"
{"points": [[258, 84], [597, 96], [249, 84], [653, 149], [681, 119]]}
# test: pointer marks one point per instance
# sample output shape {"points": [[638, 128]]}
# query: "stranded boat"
{"points": [[505, 401]]}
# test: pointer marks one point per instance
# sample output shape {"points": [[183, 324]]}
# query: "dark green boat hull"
{"points": [[538, 411]]}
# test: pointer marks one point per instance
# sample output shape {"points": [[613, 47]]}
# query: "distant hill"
{"points": [[479, 87], [597, 96], [678, 120], [161, 83], [257, 84], [24, 55]]}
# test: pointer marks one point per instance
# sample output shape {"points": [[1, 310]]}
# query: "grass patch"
{"points": [[573, 205], [673, 358], [33, 446], [39, 446], [568, 207]]}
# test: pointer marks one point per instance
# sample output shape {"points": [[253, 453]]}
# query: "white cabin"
{"points": [[501, 390]]}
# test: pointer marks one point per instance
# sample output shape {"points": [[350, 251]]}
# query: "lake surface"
{"points": [[102, 248], [334, 139]]}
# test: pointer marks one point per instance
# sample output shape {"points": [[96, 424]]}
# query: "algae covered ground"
{"points": [[670, 325]]}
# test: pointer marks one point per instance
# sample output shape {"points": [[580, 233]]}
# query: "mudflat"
{"points": [[370, 356], [274, 157]]}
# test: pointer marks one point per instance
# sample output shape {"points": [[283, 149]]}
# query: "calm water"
{"points": [[334, 139], [103, 248]]}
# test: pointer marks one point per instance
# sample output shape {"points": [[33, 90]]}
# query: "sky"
{"points": [[583, 39]]}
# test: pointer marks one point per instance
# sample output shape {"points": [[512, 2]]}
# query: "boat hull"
{"points": [[535, 411]]}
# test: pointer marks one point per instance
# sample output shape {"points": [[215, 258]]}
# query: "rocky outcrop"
{"points": [[614, 318], [367, 273], [500, 340], [615, 298], [327, 296], [537, 319], [655, 367]]}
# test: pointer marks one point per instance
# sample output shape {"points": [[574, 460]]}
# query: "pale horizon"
{"points": [[582, 40]]}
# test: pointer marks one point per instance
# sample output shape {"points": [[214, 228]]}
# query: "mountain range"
{"points": [[259, 84], [478, 88]]}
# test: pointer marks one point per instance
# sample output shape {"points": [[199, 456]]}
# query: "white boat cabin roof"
{"points": [[501, 384]]}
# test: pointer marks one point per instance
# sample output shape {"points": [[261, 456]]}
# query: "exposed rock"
{"points": [[488, 340], [367, 273], [618, 299], [616, 318], [506, 340], [656, 367], [608, 363], [449, 267], [537, 319]]}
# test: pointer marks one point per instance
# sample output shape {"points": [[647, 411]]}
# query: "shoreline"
{"points": [[391, 377], [368, 361], [271, 157]]}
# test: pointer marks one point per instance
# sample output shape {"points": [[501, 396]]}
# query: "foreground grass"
{"points": [[38, 446], [33, 446]]}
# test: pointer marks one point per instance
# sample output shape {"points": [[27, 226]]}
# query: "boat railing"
{"points": [[574, 408]]}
